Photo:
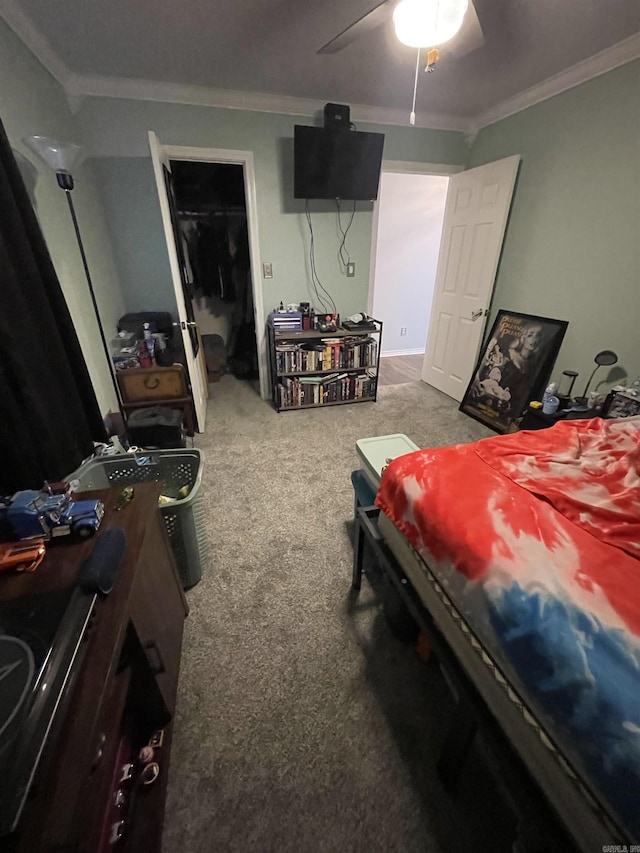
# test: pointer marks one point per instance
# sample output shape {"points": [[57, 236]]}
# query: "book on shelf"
{"points": [[331, 377], [299, 391]]}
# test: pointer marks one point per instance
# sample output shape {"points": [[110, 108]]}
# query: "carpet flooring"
{"points": [[302, 723]]}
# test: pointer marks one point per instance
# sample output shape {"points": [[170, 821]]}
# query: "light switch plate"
{"points": [[351, 269], [267, 270]]}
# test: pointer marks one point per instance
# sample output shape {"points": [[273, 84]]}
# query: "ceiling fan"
{"points": [[469, 37]]}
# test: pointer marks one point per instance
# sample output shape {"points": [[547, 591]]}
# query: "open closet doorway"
{"points": [[212, 227], [215, 279]]}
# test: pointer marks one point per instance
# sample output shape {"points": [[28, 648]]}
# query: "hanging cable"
{"points": [[312, 260], [315, 279], [343, 248], [412, 117]]}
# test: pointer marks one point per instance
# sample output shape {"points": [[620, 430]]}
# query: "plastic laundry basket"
{"points": [[183, 517]]}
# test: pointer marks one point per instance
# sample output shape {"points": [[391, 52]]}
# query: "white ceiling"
{"points": [[228, 47]]}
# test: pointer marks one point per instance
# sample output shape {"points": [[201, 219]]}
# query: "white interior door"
{"points": [[188, 329], [475, 219]]}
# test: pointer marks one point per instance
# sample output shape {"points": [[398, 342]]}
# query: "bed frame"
{"points": [[486, 701]]}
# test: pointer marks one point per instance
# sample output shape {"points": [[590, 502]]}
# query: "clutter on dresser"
{"points": [[285, 321], [296, 317], [621, 403], [359, 322], [559, 399], [127, 352], [24, 556], [565, 388], [605, 358], [33, 514], [144, 339]]}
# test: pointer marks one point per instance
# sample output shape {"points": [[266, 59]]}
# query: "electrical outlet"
{"points": [[403, 331], [267, 270], [351, 269]]}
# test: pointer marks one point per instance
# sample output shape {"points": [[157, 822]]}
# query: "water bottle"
{"points": [[550, 404], [549, 391]]}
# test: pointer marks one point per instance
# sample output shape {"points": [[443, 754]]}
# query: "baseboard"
{"points": [[402, 352]]}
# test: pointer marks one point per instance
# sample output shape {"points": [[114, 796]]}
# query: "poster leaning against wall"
{"points": [[513, 368]]}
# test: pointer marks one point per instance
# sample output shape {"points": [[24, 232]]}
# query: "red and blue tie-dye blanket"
{"points": [[543, 529]]}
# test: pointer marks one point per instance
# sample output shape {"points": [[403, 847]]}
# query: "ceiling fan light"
{"points": [[427, 23]]}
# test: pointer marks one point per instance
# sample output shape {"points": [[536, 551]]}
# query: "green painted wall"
{"points": [[572, 249], [128, 190], [33, 103], [115, 130]]}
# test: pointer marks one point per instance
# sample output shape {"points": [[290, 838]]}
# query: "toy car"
{"points": [[23, 556], [31, 514]]}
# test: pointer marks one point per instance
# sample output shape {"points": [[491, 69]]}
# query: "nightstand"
{"points": [[142, 387], [536, 419]]}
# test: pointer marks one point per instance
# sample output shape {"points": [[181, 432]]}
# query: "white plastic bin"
{"points": [[375, 453]]}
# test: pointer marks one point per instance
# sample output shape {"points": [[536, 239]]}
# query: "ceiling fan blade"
{"points": [[470, 36], [371, 21]]}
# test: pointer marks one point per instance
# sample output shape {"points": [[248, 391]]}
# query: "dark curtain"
{"points": [[49, 415]]}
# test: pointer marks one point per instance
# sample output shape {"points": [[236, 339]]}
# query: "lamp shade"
{"points": [[59, 156], [427, 23]]}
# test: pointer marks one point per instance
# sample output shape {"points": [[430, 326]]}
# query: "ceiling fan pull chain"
{"points": [[412, 117]]}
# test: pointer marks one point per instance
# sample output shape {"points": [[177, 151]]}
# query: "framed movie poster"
{"points": [[513, 368]]}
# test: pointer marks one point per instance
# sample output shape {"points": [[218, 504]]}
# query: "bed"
{"points": [[525, 551]]}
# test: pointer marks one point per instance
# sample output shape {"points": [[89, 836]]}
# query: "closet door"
{"points": [[188, 328]]}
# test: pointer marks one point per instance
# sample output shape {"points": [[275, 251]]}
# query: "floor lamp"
{"points": [[61, 157]]}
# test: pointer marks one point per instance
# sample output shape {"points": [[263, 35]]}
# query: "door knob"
{"points": [[475, 315]]}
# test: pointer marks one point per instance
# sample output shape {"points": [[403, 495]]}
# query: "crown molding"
{"points": [[79, 86], [30, 35], [393, 115], [150, 90], [598, 64]]}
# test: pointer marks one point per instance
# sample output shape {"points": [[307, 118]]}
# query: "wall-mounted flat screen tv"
{"points": [[336, 163]]}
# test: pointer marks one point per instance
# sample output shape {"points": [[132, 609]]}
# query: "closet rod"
{"points": [[207, 214]]}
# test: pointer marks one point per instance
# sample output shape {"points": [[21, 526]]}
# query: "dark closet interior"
{"points": [[215, 261]]}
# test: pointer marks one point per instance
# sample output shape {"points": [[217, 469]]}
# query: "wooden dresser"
{"points": [[123, 690]]}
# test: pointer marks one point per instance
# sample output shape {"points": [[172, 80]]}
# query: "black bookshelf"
{"points": [[312, 369]]}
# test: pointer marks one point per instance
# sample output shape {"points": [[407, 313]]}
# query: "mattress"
{"points": [[526, 548]]}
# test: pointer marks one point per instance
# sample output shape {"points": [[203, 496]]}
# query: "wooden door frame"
{"points": [[232, 156], [402, 167]]}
